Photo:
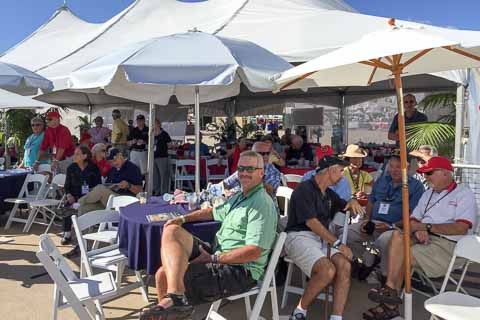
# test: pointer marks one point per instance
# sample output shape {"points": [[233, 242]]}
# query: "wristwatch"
{"points": [[429, 228], [336, 244]]}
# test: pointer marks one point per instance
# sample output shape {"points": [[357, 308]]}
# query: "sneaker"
{"points": [[66, 240], [75, 252], [297, 316]]}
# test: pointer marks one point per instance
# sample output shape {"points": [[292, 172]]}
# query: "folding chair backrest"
{"points": [[296, 178], [217, 162], [59, 180], [53, 258], [39, 181], [286, 193], [93, 218], [468, 247], [283, 180], [181, 168], [269, 275], [115, 203]]}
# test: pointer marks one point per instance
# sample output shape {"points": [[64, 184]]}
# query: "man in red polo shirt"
{"points": [[58, 140]]}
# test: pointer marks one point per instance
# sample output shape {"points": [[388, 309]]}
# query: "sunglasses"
{"points": [[264, 153], [36, 124], [429, 173], [249, 169]]}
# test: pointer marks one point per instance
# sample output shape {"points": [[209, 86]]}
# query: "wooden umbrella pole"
{"points": [[405, 206]]}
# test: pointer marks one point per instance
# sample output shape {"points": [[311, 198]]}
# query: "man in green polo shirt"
{"points": [[193, 272]]}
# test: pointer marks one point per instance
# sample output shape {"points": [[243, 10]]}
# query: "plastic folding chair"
{"points": [[25, 197], [216, 162], [109, 257], [453, 305], [267, 286], [82, 295], [182, 175]]}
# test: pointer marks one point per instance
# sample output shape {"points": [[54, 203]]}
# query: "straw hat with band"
{"points": [[354, 151]]}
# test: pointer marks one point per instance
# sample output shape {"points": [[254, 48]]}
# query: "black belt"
{"points": [[439, 236]]}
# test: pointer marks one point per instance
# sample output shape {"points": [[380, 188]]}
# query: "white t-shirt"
{"points": [[456, 204]]}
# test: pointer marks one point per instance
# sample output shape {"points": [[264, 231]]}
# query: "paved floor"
{"points": [[25, 298]]}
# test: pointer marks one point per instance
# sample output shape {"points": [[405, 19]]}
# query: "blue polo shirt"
{"points": [[128, 172], [384, 191]]}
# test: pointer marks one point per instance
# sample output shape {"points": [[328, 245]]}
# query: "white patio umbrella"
{"points": [[194, 67], [10, 100], [392, 53], [22, 81]]}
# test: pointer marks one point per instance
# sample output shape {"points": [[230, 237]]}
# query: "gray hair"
{"points": [[258, 144], [253, 154], [432, 149], [297, 138], [37, 120]]}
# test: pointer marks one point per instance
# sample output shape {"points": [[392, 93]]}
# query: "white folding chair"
{"points": [[109, 257], [216, 177], [106, 231], [286, 194], [267, 285], [283, 180], [455, 305], [82, 295], [25, 196], [44, 205], [340, 219], [182, 175]]}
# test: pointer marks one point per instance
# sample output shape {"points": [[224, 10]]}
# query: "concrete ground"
{"points": [[24, 298]]}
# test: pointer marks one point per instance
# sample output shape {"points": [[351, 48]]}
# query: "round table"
{"points": [[140, 240], [11, 182]]}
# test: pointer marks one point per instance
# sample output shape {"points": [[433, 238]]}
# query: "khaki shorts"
{"points": [[305, 248], [434, 257]]}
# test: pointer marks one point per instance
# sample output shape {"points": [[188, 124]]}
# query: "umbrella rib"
{"points": [[462, 52], [381, 64], [416, 57], [397, 58], [288, 84], [373, 73], [388, 59]]}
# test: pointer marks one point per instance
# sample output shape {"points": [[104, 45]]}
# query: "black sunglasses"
{"points": [[264, 153], [249, 169]]}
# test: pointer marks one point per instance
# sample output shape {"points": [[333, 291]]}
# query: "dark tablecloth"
{"points": [[10, 184], [140, 240]]}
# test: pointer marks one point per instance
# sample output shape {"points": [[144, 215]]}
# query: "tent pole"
{"points": [[197, 139], [405, 206], [345, 119], [151, 142], [459, 123]]}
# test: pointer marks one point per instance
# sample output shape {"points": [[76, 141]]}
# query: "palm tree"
{"points": [[441, 133]]}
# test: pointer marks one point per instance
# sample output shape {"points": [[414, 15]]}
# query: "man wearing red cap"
{"points": [[444, 214], [58, 140]]}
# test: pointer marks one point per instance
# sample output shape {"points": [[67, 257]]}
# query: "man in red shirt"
{"points": [[59, 140]]}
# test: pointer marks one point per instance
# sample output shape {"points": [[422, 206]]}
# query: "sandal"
{"points": [[384, 294], [180, 309], [381, 312]]}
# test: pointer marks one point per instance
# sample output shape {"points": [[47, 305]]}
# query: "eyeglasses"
{"points": [[264, 153], [36, 125], [249, 169]]}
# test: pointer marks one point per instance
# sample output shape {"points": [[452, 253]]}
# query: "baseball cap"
{"points": [[113, 153], [436, 163], [53, 114], [331, 160], [140, 117]]}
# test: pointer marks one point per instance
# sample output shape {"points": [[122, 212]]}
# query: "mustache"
{"points": [[245, 177]]}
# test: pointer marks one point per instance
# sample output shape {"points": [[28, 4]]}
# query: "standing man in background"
{"points": [[412, 115], [58, 140], [138, 140], [119, 132], [161, 168]]}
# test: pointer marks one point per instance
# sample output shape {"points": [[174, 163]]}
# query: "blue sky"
{"points": [[19, 18]]}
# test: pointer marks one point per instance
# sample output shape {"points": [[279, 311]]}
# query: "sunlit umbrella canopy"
{"points": [[393, 53], [22, 81], [10, 100]]}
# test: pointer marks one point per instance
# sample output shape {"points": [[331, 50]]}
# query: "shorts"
{"points": [[434, 258], [305, 248]]}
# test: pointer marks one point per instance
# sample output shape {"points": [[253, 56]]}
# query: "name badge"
{"points": [[85, 189], [384, 207]]}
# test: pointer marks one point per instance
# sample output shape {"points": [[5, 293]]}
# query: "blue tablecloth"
{"points": [[11, 181], [140, 240]]}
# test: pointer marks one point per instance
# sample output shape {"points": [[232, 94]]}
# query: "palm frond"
{"points": [[437, 134], [444, 99]]}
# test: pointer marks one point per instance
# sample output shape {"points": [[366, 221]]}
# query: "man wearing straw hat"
{"points": [[443, 215]]}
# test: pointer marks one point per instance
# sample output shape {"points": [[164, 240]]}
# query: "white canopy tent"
{"points": [[10, 100]]}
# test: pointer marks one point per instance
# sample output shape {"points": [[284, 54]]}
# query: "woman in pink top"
{"points": [[99, 133]]}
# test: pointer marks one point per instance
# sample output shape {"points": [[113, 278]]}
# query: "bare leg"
{"points": [[341, 285], [323, 272], [161, 283], [396, 259], [176, 249]]}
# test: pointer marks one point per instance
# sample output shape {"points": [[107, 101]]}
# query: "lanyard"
{"points": [[427, 208], [358, 183]]}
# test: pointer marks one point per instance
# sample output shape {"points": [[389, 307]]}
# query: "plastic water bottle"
{"points": [[167, 197]]}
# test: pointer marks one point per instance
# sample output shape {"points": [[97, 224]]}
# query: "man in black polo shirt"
{"points": [[161, 168], [312, 207], [138, 139], [123, 179], [412, 115]]}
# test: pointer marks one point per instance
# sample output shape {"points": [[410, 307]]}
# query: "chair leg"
{"points": [[119, 274], [11, 216], [213, 309], [287, 285], [52, 219], [274, 299], [144, 285], [56, 300], [248, 306], [31, 219]]}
